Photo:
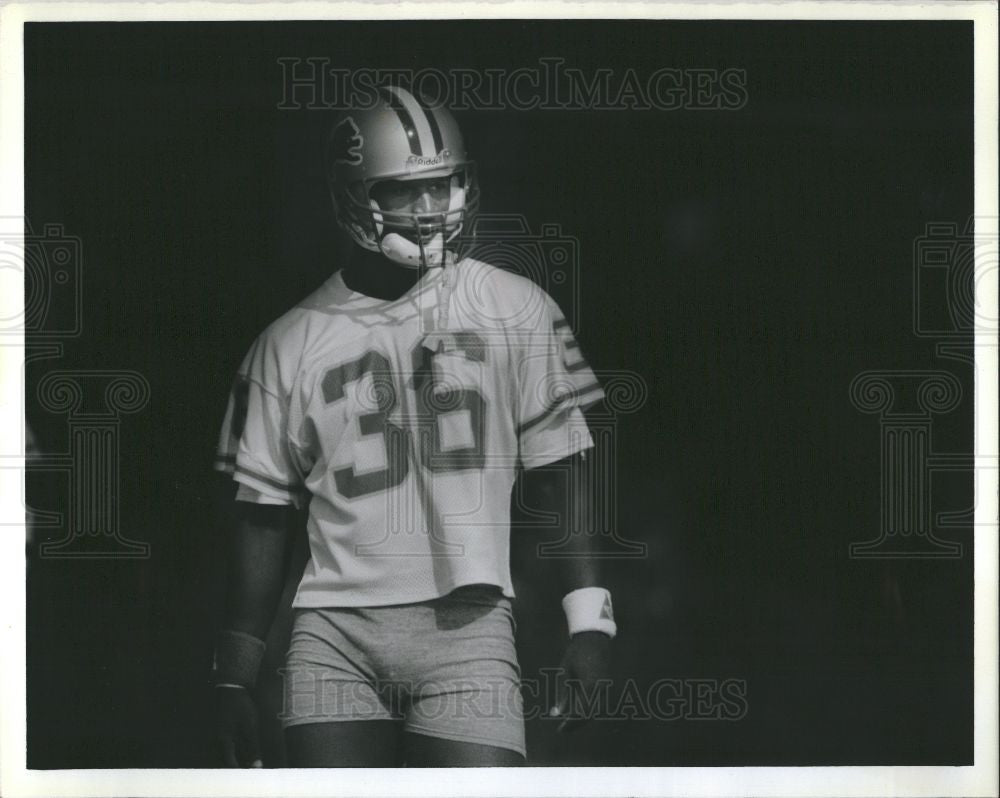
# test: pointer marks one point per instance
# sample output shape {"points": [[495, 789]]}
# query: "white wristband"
{"points": [[589, 610]]}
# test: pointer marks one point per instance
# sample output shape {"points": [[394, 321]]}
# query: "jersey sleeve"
{"points": [[254, 445], [554, 384]]}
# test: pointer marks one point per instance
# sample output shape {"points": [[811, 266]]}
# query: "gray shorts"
{"points": [[445, 667]]}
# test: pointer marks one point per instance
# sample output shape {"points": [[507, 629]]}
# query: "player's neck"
{"points": [[374, 275]]}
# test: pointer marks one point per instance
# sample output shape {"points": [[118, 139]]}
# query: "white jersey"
{"points": [[405, 436]]}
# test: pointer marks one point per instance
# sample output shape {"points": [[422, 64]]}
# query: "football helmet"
{"points": [[401, 181]]}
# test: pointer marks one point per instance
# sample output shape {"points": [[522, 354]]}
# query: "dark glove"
{"points": [[585, 664], [237, 727]]}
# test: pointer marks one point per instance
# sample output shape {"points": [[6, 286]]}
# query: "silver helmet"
{"points": [[401, 180]]}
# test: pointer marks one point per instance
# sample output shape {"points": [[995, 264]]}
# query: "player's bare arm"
{"points": [[257, 549], [587, 655]]}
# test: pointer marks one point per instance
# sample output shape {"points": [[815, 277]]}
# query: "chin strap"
{"points": [[444, 300], [446, 262]]}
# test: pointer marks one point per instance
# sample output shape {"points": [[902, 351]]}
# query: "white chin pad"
{"points": [[403, 251]]}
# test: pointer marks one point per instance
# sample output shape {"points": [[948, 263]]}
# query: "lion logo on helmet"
{"points": [[346, 142]]}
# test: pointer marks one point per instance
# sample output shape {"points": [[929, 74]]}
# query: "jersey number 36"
{"points": [[432, 402]]}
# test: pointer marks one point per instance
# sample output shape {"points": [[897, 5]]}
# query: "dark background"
{"points": [[747, 264]]}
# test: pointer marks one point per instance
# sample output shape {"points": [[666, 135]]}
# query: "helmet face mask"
{"points": [[400, 181]]}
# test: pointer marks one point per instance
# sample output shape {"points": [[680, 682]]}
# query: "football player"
{"points": [[401, 400]]}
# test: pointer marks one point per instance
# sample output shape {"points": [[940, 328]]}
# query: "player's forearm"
{"points": [[257, 556], [568, 545], [577, 563], [579, 566]]}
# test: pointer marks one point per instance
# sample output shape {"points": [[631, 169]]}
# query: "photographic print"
{"points": [[604, 404]]}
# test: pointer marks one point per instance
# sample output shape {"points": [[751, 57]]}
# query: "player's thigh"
{"points": [[424, 751], [344, 744]]}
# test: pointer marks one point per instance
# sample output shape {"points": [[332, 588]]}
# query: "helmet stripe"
{"points": [[419, 119], [406, 120], [435, 129]]}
